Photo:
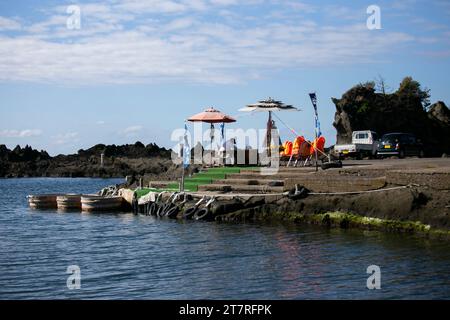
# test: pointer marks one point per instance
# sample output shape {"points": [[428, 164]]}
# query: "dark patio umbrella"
{"points": [[270, 105]]}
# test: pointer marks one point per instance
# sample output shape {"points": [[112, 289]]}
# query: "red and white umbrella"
{"points": [[212, 116]]}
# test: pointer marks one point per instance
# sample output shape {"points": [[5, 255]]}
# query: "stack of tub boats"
{"points": [[76, 202]]}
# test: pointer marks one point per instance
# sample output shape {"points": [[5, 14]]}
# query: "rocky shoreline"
{"points": [[136, 160], [412, 210], [408, 109], [409, 196]]}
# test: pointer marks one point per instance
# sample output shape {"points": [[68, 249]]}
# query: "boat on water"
{"points": [[87, 203], [91, 203], [69, 202], [43, 201]]}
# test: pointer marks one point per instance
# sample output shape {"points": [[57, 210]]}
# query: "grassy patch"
{"points": [[202, 178]]}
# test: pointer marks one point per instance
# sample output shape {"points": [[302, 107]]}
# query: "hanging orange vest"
{"points": [[287, 149], [318, 143], [297, 144]]}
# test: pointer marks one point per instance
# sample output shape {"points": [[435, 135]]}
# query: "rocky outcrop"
{"points": [[134, 151], [119, 161], [405, 110], [439, 114], [22, 154]]}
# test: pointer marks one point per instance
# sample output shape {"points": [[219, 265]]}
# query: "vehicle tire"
{"points": [[161, 210], [153, 209], [329, 165], [301, 194], [168, 207], [173, 212], [202, 214], [401, 154], [421, 154], [135, 206], [189, 213]]}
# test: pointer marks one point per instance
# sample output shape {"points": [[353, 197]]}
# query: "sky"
{"points": [[77, 73]]}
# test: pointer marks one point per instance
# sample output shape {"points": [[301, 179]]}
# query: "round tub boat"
{"points": [[99, 203], [43, 201], [69, 202]]}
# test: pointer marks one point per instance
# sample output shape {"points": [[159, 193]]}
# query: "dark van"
{"points": [[400, 144]]}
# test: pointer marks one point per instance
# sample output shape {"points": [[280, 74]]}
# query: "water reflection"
{"points": [[125, 256]]}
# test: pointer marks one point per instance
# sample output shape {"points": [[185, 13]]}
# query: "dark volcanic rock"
{"points": [[440, 113], [22, 154], [406, 110], [137, 150], [119, 161]]}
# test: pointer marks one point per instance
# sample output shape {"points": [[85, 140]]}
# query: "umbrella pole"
{"points": [[269, 135], [317, 160], [182, 168], [212, 132], [315, 149]]}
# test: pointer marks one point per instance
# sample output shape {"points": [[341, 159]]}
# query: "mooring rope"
{"points": [[359, 192], [297, 135], [240, 195]]}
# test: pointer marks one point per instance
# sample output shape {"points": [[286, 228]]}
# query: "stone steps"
{"points": [[160, 184], [257, 176], [250, 182], [240, 188]]}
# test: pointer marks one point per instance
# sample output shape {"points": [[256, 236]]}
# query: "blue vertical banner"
{"points": [[186, 148], [313, 97]]}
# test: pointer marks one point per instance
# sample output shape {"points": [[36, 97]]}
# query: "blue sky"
{"points": [[136, 69]]}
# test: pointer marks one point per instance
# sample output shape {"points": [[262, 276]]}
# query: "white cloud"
{"points": [[66, 138], [153, 6], [131, 131], [9, 24], [176, 45], [181, 23], [27, 133]]}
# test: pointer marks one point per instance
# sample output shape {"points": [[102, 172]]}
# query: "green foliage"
{"points": [[410, 89]]}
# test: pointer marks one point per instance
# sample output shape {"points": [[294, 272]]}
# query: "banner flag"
{"points": [[186, 148], [313, 97]]}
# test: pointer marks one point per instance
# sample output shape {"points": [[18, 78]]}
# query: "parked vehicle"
{"points": [[364, 143], [401, 145]]}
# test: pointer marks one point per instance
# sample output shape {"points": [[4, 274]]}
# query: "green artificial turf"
{"points": [[202, 178]]}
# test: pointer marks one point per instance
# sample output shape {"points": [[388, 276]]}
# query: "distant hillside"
{"points": [[368, 106], [132, 159]]}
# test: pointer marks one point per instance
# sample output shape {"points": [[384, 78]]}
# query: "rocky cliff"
{"points": [[119, 161], [365, 107]]}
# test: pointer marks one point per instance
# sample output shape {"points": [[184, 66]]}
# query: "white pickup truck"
{"points": [[364, 143]]}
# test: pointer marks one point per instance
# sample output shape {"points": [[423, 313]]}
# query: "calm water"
{"points": [[122, 256]]}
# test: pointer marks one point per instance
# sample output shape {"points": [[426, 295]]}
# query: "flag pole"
{"points": [[184, 162], [182, 168], [313, 97]]}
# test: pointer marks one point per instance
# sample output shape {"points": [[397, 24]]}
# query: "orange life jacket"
{"points": [[287, 149], [297, 144], [318, 143]]}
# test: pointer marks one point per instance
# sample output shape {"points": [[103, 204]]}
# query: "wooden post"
{"points": [[102, 160], [317, 160], [182, 168], [212, 138], [269, 136]]}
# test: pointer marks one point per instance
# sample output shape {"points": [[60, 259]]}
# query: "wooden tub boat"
{"points": [[99, 203], [69, 202], [43, 201]]}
